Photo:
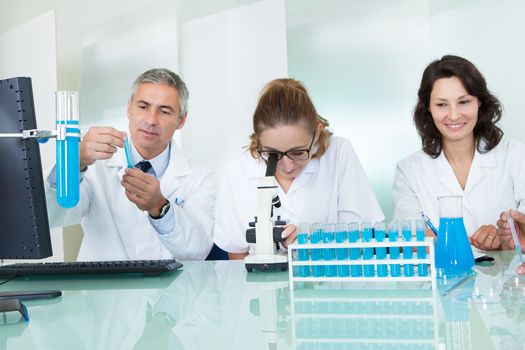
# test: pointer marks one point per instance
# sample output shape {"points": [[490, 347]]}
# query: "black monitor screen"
{"points": [[24, 226]]}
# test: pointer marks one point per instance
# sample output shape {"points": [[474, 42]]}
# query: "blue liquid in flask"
{"points": [[454, 256]]}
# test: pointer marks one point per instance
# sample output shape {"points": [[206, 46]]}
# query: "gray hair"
{"points": [[164, 76]]}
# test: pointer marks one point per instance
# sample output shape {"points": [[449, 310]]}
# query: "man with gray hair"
{"points": [[162, 207]]}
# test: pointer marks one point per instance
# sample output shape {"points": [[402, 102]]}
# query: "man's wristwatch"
{"points": [[163, 211]]}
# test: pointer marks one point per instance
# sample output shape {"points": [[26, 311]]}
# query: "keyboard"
{"points": [[145, 267]]}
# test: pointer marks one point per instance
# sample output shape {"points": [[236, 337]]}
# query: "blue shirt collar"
{"points": [[158, 163]]}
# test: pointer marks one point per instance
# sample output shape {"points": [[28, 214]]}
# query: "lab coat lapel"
{"points": [[128, 224], [478, 170], [300, 181], [446, 175], [178, 168], [481, 164], [305, 176], [118, 164]]}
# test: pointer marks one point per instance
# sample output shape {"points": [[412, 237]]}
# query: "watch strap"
{"points": [[163, 211]]}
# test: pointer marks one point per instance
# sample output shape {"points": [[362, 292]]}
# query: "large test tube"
{"points": [[67, 149]]}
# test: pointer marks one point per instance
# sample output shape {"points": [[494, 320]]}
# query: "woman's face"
{"points": [[293, 139], [454, 111]]}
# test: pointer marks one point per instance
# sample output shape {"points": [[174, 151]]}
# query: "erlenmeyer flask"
{"points": [[454, 256]]}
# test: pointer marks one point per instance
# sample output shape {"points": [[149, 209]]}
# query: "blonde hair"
{"points": [[286, 102]]}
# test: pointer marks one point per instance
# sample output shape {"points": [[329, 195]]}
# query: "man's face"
{"points": [[154, 115]]}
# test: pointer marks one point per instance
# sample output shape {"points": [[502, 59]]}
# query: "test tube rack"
{"points": [[388, 262], [348, 319]]}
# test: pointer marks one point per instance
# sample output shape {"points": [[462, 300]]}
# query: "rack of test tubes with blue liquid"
{"points": [[362, 252]]}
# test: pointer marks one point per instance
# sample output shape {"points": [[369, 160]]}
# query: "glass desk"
{"points": [[218, 305]]}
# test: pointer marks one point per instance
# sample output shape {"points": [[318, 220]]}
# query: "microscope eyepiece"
{"points": [[271, 164]]}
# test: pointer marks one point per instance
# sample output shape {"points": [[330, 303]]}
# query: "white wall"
{"points": [[117, 52], [227, 58], [237, 50], [362, 63], [30, 50], [73, 18]]}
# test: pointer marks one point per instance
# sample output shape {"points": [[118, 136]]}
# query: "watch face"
{"points": [[165, 209]]}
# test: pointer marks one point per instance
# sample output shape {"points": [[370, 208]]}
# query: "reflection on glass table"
{"points": [[372, 319], [218, 305], [455, 299]]}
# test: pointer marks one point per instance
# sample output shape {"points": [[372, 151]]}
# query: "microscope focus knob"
{"points": [[280, 222], [250, 235], [277, 234]]}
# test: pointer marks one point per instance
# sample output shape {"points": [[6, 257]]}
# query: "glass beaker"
{"points": [[454, 256]]}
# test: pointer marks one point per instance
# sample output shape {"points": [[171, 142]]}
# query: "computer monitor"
{"points": [[24, 225]]}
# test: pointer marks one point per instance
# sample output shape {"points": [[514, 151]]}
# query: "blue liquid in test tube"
{"points": [[422, 269], [341, 236], [127, 150], [368, 253], [408, 253], [67, 149], [316, 237], [355, 253], [303, 254], [329, 253], [379, 233], [393, 234]]}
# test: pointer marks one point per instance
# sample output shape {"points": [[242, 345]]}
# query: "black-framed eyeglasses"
{"points": [[294, 154]]}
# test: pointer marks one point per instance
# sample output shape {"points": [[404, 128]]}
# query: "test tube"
{"points": [[316, 237], [355, 253], [422, 269], [379, 233], [393, 234], [127, 150], [341, 236], [303, 254], [67, 149], [408, 253], [329, 253], [368, 253]]}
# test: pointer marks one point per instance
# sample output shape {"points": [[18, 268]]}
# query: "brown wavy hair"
{"points": [[489, 112], [286, 102]]}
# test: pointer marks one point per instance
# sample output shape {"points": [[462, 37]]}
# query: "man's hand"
{"points": [[504, 232], [485, 238], [99, 143], [144, 190]]}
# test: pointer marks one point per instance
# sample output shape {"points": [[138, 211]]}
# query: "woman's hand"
{"points": [[485, 238], [290, 235]]}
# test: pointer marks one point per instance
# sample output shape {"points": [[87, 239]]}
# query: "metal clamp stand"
{"points": [[32, 134]]}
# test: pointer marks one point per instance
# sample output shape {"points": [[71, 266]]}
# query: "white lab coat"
{"points": [[495, 183], [330, 189], [115, 229]]}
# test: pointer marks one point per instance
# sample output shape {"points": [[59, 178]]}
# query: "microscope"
{"points": [[264, 231]]}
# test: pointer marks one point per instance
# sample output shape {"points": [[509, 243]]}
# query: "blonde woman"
{"points": [[319, 175]]}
